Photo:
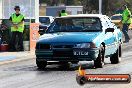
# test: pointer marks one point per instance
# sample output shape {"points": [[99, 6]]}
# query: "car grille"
{"points": [[48, 46], [44, 46], [63, 46], [57, 50]]}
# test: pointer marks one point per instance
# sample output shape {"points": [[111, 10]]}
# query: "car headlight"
{"points": [[85, 45]]}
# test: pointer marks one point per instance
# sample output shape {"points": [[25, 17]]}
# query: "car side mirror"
{"points": [[42, 29], [109, 30]]}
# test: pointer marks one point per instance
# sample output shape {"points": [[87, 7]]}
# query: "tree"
{"points": [[69, 2], [108, 6], [48, 2], [129, 2]]}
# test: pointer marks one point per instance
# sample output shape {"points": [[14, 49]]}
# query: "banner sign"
{"points": [[34, 35]]}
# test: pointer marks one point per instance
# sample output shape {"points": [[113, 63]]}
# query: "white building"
{"points": [[0, 9], [71, 10], [30, 8]]}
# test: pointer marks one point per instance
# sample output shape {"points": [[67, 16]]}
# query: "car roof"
{"points": [[50, 17], [47, 16], [117, 15], [84, 15]]}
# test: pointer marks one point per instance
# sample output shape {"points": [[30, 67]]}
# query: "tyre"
{"points": [[41, 64], [115, 58], [120, 51], [99, 62]]}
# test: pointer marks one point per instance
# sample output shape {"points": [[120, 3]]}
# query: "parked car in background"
{"points": [[117, 20], [84, 37], [44, 21]]}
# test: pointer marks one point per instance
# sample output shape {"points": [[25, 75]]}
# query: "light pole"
{"points": [[2, 9], [37, 11], [100, 6]]}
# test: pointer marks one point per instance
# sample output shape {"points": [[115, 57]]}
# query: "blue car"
{"points": [[84, 37]]}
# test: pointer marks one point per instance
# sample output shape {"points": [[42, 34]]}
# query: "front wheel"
{"points": [[120, 51], [115, 58], [99, 62], [41, 64]]}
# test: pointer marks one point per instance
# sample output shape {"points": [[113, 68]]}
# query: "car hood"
{"points": [[72, 37]]}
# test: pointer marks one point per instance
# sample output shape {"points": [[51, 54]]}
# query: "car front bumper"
{"points": [[67, 54]]}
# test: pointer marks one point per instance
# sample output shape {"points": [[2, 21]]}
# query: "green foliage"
{"points": [[108, 6]]}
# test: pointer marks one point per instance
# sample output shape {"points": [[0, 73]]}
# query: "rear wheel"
{"points": [[115, 58], [120, 50], [41, 64], [99, 62]]}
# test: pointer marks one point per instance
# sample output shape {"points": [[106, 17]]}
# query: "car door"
{"points": [[109, 37], [114, 45]]}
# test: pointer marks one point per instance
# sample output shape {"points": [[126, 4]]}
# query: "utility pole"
{"points": [[100, 6], [37, 11]]}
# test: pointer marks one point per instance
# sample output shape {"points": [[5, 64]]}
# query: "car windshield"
{"points": [[75, 24], [116, 18], [44, 20]]}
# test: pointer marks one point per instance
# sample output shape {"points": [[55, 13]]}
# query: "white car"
{"points": [[44, 21]]}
